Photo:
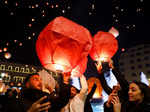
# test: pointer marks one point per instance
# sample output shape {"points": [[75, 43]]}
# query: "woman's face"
{"points": [[135, 93]]}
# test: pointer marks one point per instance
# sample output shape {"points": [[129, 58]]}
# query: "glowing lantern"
{"points": [[80, 68], [7, 55], [104, 46], [1, 50], [114, 31], [98, 91], [63, 44], [5, 49], [2, 86]]}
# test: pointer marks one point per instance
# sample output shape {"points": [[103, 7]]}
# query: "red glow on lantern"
{"points": [[104, 46], [63, 44], [80, 68]]}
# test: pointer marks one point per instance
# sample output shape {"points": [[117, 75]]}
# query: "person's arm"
{"points": [[101, 69], [84, 88], [104, 84], [116, 104], [120, 78], [108, 106], [123, 83], [92, 91]]}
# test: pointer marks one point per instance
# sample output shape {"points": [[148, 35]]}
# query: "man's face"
{"points": [[35, 82]]}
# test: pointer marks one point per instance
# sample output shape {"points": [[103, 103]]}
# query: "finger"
{"points": [[113, 100], [117, 98], [45, 104], [44, 108], [41, 99], [114, 94]]}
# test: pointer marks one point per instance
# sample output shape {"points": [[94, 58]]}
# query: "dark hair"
{"points": [[144, 89], [29, 76]]}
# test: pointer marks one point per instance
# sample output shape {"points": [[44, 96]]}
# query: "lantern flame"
{"points": [[103, 58], [96, 95]]}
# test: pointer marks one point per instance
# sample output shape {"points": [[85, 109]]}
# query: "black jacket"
{"points": [[132, 107], [29, 96], [87, 105]]}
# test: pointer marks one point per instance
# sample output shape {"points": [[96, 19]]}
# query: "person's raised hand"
{"points": [[111, 96], [116, 104], [38, 106]]}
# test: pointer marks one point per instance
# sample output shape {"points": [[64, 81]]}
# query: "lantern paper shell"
{"points": [[80, 68], [98, 91], [63, 44], [105, 45], [47, 79]]}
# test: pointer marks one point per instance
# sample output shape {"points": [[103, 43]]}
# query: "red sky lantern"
{"points": [[104, 46], [63, 44]]}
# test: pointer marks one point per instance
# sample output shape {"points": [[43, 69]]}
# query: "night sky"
{"points": [[21, 21]]}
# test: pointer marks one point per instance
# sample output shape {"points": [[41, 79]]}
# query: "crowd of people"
{"points": [[123, 97]]}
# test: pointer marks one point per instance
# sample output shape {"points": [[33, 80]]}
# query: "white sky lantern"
{"points": [[114, 31], [144, 78], [47, 80]]}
